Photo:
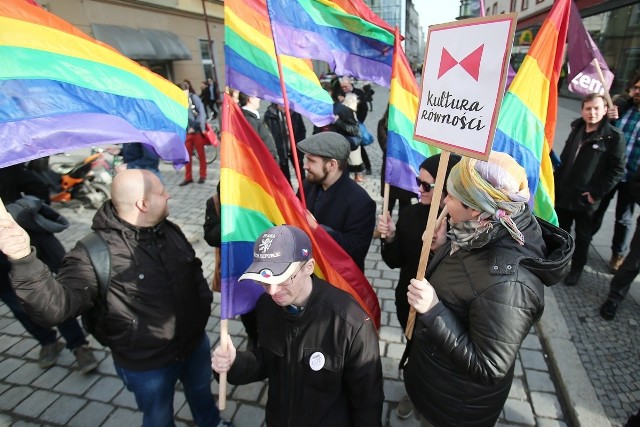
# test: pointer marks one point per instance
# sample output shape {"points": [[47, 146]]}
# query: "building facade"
{"points": [[167, 36], [614, 26], [403, 14]]}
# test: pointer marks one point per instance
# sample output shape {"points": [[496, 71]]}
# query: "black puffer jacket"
{"points": [[158, 301], [463, 350], [597, 168]]}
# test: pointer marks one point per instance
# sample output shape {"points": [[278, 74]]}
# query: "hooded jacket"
{"points": [[463, 351], [158, 302]]}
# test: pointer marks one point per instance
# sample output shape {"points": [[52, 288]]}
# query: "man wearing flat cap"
{"points": [[316, 345], [334, 201]]}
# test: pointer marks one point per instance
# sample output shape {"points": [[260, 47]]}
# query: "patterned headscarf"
{"points": [[497, 188]]}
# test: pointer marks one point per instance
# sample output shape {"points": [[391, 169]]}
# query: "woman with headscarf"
{"points": [[402, 244], [483, 293]]}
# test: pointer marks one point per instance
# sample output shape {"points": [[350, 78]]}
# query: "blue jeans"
{"points": [[154, 389], [69, 329]]}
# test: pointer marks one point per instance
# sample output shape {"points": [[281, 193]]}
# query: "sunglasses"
{"points": [[425, 185]]}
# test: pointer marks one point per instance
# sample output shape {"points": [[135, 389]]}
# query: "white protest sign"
{"points": [[464, 75]]}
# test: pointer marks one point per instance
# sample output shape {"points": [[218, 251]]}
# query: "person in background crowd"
{"points": [[335, 202], [317, 346], [157, 303], [401, 195], [195, 137], [206, 96], [250, 106], [484, 290], [15, 180], [630, 267], [361, 112], [345, 124], [592, 163], [626, 116], [276, 121], [136, 155]]}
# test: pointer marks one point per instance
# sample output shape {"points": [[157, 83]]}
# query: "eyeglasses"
{"points": [[287, 282], [425, 185], [635, 88]]}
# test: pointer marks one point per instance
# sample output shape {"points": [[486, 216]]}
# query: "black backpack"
{"points": [[100, 258]]}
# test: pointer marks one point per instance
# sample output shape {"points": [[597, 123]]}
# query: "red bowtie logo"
{"points": [[471, 64]]}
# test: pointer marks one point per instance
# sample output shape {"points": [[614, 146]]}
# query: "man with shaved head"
{"points": [[157, 303]]}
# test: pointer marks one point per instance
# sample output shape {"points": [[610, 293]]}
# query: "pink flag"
{"points": [[583, 76]]}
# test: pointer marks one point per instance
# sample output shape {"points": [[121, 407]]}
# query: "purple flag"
{"points": [[583, 76]]}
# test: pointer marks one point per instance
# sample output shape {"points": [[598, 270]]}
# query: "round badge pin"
{"points": [[316, 361]]}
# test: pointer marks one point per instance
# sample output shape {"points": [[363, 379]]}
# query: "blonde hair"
{"points": [[351, 101]]}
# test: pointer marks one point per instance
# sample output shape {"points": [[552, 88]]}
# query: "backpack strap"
{"points": [[100, 257]]}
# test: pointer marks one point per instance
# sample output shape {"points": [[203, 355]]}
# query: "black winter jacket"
{"points": [[158, 302], [347, 212], [598, 166], [464, 349], [263, 132], [346, 391]]}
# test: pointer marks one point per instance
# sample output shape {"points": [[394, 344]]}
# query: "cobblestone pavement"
{"points": [[545, 379]]}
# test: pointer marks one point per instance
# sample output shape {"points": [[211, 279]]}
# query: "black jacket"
{"points": [[278, 127], [158, 302], [404, 253], [597, 168], [348, 389], [464, 349], [347, 212], [263, 131]]}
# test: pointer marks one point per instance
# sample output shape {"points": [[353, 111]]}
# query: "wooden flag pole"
{"points": [[607, 95], [222, 384], [428, 233], [3, 211], [385, 203]]}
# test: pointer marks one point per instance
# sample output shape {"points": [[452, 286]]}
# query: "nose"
{"points": [[271, 289]]}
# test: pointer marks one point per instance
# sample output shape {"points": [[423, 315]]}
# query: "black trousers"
{"points": [[583, 227], [621, 282]]}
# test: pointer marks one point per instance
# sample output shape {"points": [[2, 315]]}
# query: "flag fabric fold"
{"points": [[583, 76], [254, 197], [252, 68], [323, 30], [404, 154], [60, 90], [527, 120]]}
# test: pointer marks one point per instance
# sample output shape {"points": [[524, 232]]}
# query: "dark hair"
{"points": [[593, 97], [430, 164], [243, 99]]}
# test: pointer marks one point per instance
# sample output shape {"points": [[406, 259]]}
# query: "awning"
{"points": [[143, 44]]}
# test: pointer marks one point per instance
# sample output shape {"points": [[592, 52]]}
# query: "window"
{"points": [[539, 1], [512, 8], [486, 12], [524, 5], [494, 9]]}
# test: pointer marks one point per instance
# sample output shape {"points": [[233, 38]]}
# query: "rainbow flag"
{"points": [[251, 65], [60, 90], [527, 120], [404, 154], [254, 197], [321, 29]]}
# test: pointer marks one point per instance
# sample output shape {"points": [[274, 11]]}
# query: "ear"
{"points": [[141, 204], [474, 213], [310, 266]]}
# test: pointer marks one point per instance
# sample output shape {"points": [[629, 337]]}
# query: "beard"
{"points": [[318, 179]]}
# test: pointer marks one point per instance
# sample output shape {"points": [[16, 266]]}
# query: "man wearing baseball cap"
{"points": [[334, 201], [316, 345]]}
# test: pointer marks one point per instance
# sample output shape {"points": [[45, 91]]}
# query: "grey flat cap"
{"points": [[326, 144]]}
